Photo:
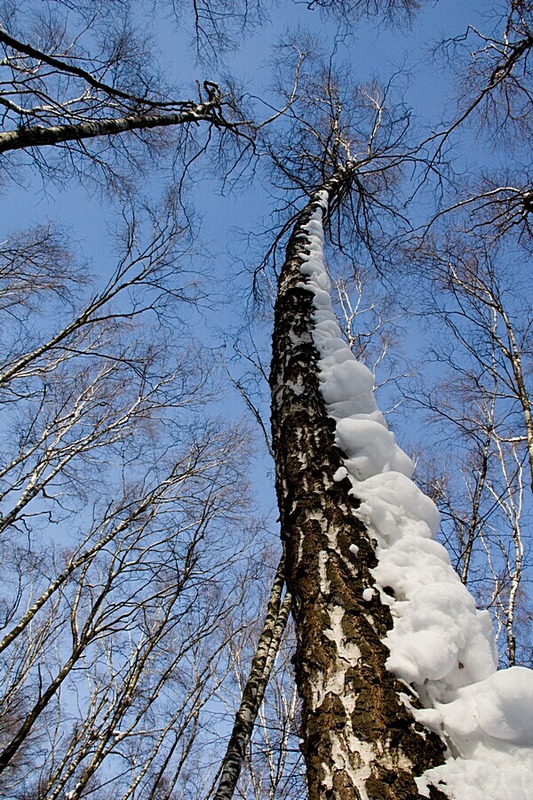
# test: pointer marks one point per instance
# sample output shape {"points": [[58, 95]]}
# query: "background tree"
{"points": [[115, 500], [82, 81], [471, 262], [118, 486], [483, 402]]}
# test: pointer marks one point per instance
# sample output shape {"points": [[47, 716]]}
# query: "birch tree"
{"points": [[482, 401], [347, 693], [471, 261], [115, 492], [343, 488], [117, 487], [358, 738], [81, 93]]}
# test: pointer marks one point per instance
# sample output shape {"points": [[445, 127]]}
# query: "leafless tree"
{"points": [[470, 259], [124, 526], [122, 584], [343, 155], [494, 105], [82, 94], [481, 405], [350, 10], [252, 690], [115, 497]]}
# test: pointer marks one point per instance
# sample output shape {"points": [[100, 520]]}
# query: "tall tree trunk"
{"points": [[254, 690], [39, 136], [359, 740]]}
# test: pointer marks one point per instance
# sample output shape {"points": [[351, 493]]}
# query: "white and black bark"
{"points": [[254, 691], [358, 738], [40, 136]]}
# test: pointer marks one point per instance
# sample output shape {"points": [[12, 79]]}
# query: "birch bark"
{"points": [[39, 136], [254, 690], [359, 740]]}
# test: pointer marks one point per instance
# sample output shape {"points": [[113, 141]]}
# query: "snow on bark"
{"points": [[359, 737], [439, 643]]}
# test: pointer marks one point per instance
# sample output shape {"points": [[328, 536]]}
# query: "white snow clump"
{"points": [[440, 642]]}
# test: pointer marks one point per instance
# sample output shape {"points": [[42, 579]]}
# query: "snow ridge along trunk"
{"points": [[359, 740]]}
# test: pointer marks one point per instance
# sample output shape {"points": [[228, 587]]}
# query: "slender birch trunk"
{"points": [[267, 647], [359, 740], [40, 136]]}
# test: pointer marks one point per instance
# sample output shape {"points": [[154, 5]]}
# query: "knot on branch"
{"points": [[527, 202], [211, 98], [213, 92]]}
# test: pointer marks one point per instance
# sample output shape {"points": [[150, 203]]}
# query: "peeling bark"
{"points": [[360, 741]]}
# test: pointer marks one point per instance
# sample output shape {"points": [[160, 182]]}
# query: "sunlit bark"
{"points": [[359, 739]]}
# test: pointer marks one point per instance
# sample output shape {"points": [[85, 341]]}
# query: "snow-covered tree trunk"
{"points": [[359, 739]]}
